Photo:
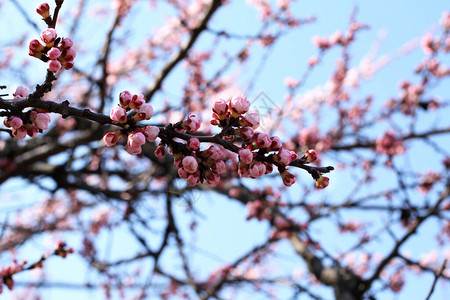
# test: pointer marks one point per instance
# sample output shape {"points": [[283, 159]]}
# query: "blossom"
{"points": [[19, 133], [54, 53], [288, 178], [43, 9], [252, 118], [193, 144], [262, 140], [41, 121], [311, 155], [192, 124], [283, 157], [190, 164], [257, 169], [246, 156], [245, 132], [322, 182], [291, 82], [125, 98], [218, 166], [193, 179], [48, 35], [239, 105], [15, 122], [137, 101], [388, 144], [212, 178], [54, 65], [151, 133], [160, 151], [111, 138], [145, 112], [214, 152], [65, 44], [220, 107], [118, 114], [20, 93], [136, 140], [276, 143]]}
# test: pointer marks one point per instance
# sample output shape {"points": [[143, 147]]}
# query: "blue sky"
{"points": [[230, 235]]}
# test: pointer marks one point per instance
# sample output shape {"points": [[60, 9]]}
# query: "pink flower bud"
{"points": [[322, 182], [32, 130], [118, 114], [219, 166], [243, 170], [19, 133], [160, 151], [269, 167], [35, 45], [21, 93], [220, 107], [111, 138], [68, 65], [193, 144], [257, 169], [311, 155], [239, 105], [190, 164], [15, 122], [276, 143], [151, 133], [252, 119], [212, 178], [262, 140], [65, 44], [54, 53], [193, 179], [182, 173], [68, 54], [54, 65], [137, 101], [214, 152], [288, 178], [136, 140], [42, 120], [43, 9], [133, 150], [283, 157], [145, 112], [246, 133], [48, 35], [125, 99], [246, 156], [291, 82], [192, 124]]}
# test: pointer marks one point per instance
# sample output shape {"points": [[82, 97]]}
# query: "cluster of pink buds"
{"points": [[119, 115], [236, 118], [31, 123], [7, 272], [56, 51], [259, 151], [200, 166]]}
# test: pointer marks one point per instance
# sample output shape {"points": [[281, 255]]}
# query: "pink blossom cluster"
{"points": [[338, 37], [236, 117], [200, 166], [31, 123], [56, 51], [388, 144], [119, 115], [7, 272]]}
